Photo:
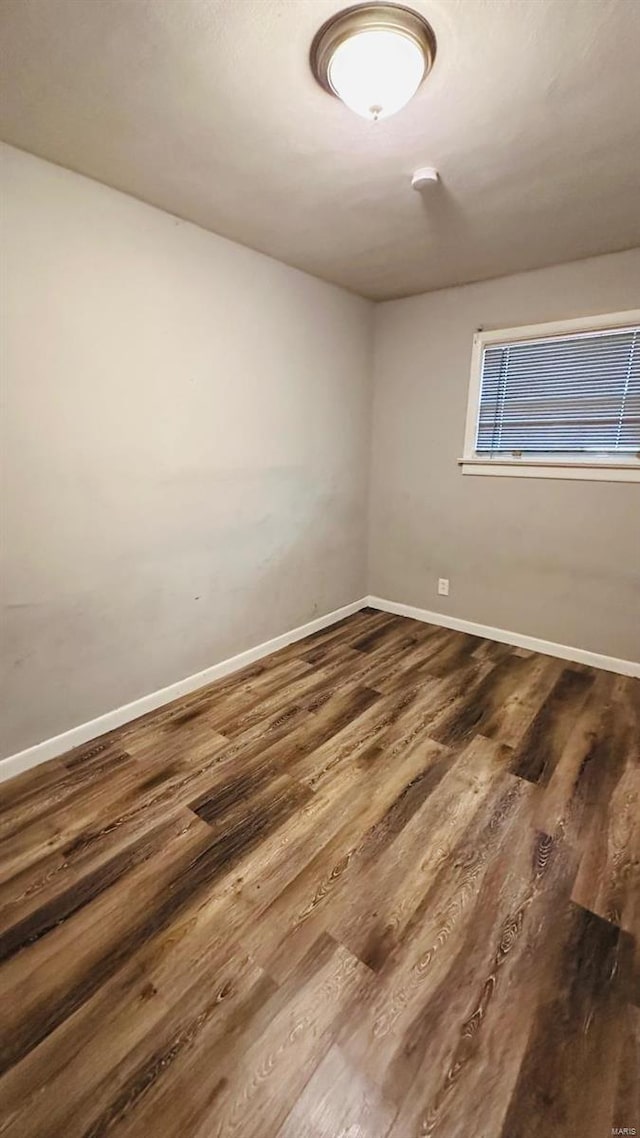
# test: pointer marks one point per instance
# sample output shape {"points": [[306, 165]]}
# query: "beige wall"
{"points": [[186, 440], [554, 559]]}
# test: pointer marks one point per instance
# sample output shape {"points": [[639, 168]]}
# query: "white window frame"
{"points": [[589, 467]]}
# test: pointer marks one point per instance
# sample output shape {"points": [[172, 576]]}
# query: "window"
{"points": [[557, 400]]}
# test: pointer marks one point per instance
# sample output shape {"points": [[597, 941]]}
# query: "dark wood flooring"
{"points": [[383, 884]]}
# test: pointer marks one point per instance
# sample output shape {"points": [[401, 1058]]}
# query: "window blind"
{"points": [[565, 394]]}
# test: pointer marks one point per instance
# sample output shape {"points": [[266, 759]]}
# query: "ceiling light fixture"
{"points": [[373, 57]]}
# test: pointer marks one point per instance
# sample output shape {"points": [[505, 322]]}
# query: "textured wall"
{"points": [[554, 559], [186, 440]]}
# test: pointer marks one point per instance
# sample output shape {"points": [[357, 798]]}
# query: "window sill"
{"points": [[543, 468]]}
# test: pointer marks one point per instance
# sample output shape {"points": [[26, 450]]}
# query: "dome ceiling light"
{"points": [[373, 57]]}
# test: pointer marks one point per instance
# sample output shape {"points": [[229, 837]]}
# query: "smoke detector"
{"points": [[425, 176]]}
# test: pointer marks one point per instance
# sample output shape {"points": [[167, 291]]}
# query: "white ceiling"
{"points": [[208, 109]]}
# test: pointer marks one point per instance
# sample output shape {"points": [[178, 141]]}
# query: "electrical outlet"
{"points": [[443, 586]]}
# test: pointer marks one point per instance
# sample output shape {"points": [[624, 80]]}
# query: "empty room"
{"points": [[320, 569]]}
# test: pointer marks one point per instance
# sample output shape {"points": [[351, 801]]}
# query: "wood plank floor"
{"points": [[383, 884]]}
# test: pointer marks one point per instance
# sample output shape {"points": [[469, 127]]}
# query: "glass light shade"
{"points": [[376, 71]]}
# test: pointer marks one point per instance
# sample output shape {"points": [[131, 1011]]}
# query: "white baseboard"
{"points": [[85, 732], [518, 639]]}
